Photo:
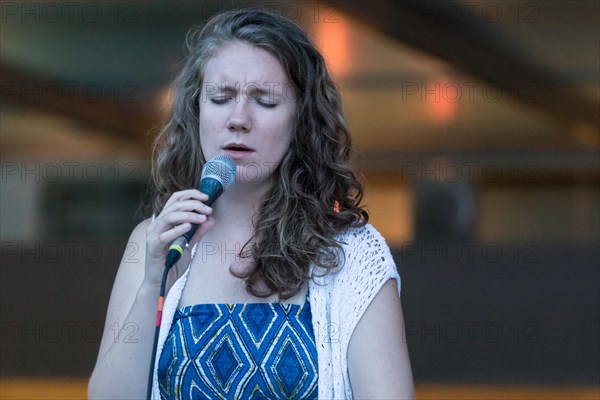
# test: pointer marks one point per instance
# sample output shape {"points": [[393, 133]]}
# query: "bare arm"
{"points": [[378, 362], [124, 357], [123, 363]]}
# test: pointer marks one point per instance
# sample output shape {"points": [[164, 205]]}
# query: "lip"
{"points": [[237, 151]]}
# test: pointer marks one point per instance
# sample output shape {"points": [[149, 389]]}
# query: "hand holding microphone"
{"points": [[178, 221], [218, 174]]}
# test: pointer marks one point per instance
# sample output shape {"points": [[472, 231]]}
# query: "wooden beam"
{"points": [[465, 44]]}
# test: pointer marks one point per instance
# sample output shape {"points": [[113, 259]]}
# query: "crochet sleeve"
{"points": [[368, 266]]}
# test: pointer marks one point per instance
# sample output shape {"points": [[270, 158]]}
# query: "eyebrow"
{"points": [[253, 89], [227, 88]]}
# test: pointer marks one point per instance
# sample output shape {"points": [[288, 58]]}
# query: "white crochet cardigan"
{"points": [[337, 300]]}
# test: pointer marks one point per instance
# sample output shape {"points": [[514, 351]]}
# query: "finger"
{"points": [[186, 194], [167, 237], [188, 205], [176, 218]]}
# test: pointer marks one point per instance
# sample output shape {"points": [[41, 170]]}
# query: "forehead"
{"points": [[243, 63]]}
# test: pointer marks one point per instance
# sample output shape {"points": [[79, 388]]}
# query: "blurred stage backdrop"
{"points": [[477, 132]]}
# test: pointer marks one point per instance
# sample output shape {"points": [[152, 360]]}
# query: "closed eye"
{"points": [[266, 103], [220, 100]]}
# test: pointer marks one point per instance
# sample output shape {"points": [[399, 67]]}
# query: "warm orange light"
{"points": [[164, 100], [441, 99], [333, 39]]}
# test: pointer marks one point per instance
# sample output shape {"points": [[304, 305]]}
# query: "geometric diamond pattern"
{"points": [[224, 363], [259, 318], [240, 351], [288, 368]]}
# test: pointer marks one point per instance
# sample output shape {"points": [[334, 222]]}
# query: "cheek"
{"points": [[281, 145], [203, 122], [206, 144], [286, 131], [205, 128]]}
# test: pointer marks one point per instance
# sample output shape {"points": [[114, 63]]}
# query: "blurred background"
{"points": [[476, 125]]}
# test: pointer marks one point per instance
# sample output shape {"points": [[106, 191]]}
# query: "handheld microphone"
{"points": [[218, 174]]}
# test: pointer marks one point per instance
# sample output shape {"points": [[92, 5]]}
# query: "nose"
{"points": [[239, 119]]}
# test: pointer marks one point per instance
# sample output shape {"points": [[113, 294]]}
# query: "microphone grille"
{"points": [[222, 168]]}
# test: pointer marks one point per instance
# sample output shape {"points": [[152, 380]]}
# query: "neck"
{"points": [[234, 210]]}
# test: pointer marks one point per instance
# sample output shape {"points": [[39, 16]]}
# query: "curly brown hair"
{"points": [[315, 193]]}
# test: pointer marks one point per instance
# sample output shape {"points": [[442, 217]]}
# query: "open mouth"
{"points": [[238, 151], [237, 148]]}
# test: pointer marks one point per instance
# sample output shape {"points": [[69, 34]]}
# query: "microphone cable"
{"points": [[218, 174], [159, 310]]}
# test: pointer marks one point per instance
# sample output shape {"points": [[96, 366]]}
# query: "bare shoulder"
{"points": [[127, 281], [131, 268], [378, 361]]}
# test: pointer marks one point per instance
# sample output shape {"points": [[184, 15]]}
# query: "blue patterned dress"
{"points": [[240, 351]]}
